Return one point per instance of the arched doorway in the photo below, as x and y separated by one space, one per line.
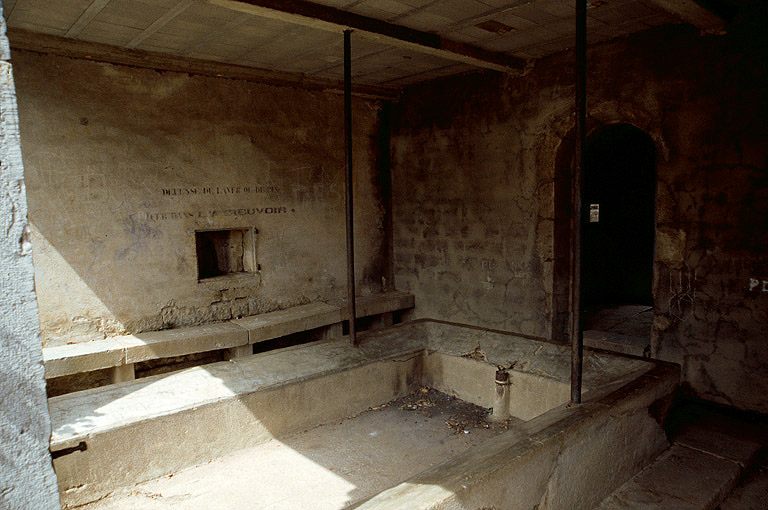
619 188
618 230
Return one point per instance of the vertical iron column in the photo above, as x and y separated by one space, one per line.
348 155
577 337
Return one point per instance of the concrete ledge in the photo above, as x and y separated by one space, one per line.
84 357
145 428
178 342
237 333
376 304
625 344
285 322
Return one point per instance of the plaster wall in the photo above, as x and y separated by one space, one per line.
123 165
27 479
475 166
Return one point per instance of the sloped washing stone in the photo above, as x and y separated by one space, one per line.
181 341
83 357
234 334
285 322
376 304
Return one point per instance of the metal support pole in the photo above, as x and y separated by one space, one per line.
577 336
348 155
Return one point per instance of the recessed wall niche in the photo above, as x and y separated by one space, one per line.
224 252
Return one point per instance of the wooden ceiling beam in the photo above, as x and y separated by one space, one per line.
67 47
331 19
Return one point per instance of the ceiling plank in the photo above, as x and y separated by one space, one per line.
488 15
9 13
336 20
68 47
86 17
215 34
693 13
160 23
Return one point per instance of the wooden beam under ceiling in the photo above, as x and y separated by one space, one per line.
160 22
693 13
67 47
336 20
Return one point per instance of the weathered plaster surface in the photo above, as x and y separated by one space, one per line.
474 166
27 479
123 165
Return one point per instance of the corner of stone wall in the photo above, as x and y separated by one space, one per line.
27 479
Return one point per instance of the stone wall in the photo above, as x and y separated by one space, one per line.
123 165
27 479
476 161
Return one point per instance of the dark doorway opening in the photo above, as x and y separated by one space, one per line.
618 228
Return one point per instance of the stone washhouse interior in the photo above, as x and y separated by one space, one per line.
384 254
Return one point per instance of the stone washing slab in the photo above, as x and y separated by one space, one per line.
114 352
152 426
376 304
285 322
156 425
75 416
83 357
178 342
537 357
682 478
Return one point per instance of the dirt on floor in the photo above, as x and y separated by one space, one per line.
331 466
460 416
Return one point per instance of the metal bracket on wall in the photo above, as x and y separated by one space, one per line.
81 447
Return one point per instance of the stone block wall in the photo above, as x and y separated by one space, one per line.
476 160
27 479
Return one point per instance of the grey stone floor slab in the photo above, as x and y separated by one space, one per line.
752 495
718 444
681 479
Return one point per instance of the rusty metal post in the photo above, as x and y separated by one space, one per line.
577 336
348 156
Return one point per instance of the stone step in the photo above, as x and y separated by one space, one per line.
751 495
696 473
117 435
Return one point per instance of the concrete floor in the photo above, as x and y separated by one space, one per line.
328 467
752 494
624 328
629 320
